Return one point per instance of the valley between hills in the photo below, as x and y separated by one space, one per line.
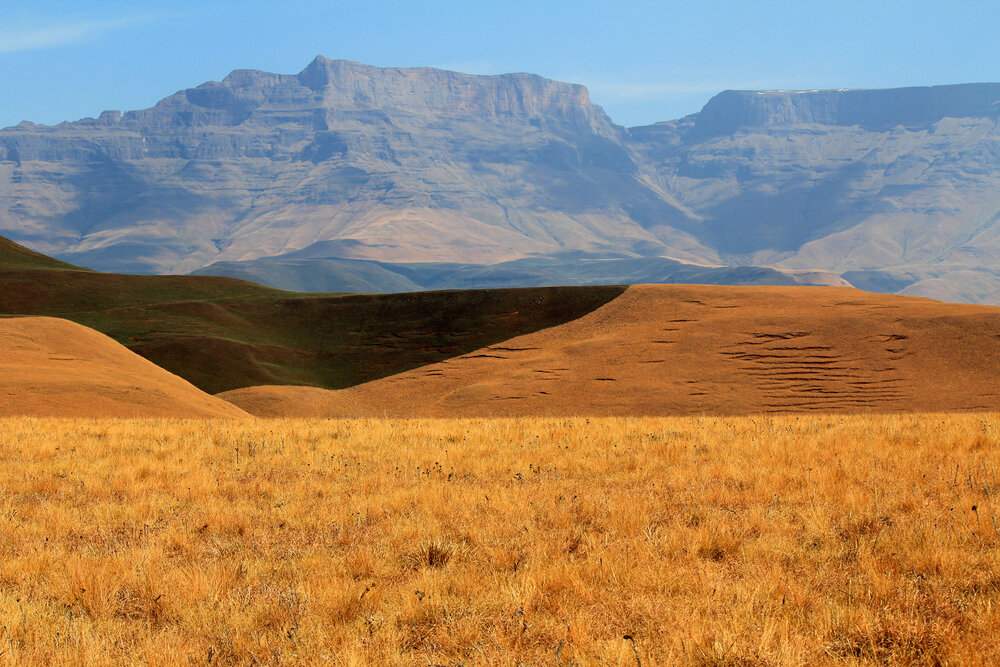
572 351
577 475
405 366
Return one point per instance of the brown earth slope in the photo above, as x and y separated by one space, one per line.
55 368
221 334
684 349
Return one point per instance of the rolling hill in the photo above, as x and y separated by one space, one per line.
54 368
681 349
14 256
695 349
223 333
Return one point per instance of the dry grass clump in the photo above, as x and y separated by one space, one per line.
698 541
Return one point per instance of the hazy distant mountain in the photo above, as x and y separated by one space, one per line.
388 164
351 275
895 189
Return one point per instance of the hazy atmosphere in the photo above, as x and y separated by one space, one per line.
361 333
642 61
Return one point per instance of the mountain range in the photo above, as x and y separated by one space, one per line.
352 177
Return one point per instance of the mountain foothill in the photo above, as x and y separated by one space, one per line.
77 343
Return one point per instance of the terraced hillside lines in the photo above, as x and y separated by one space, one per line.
55 368
697 349
796 372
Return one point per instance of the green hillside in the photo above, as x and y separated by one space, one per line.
13 256
223 333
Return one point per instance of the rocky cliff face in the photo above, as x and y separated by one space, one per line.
391 164
894 189
735 111
897 190
336 86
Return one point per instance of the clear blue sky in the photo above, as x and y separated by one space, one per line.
643 61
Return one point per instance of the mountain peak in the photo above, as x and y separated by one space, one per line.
348 85
347 161
324 72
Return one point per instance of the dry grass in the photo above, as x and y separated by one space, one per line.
702 541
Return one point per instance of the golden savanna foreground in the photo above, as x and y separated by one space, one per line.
762 540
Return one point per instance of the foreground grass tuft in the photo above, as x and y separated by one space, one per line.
698 541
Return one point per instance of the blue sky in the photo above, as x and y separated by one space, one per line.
643 61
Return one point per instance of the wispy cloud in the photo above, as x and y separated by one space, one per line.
52 35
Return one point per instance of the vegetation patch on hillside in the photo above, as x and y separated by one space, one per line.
223 333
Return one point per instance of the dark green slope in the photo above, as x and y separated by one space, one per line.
223 333
14 256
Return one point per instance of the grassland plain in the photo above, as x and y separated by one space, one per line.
652 541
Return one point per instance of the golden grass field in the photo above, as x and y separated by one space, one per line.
786 540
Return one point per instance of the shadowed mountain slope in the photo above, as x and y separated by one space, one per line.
55 368
222 333
694 349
